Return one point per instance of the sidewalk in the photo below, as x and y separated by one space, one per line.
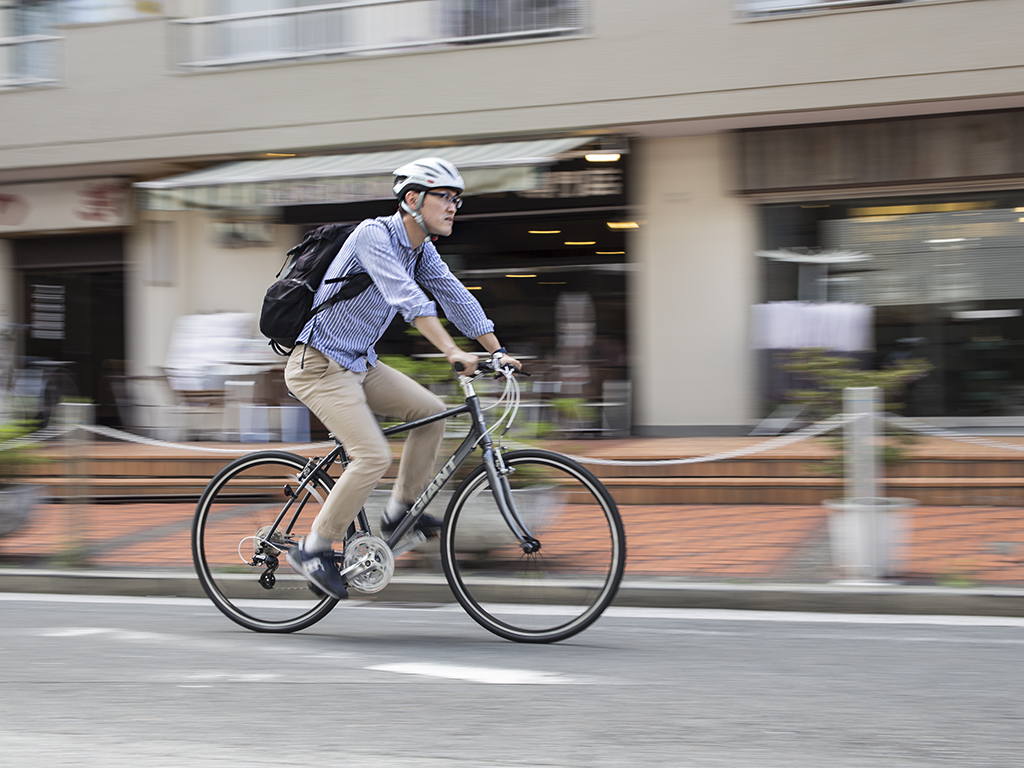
967 559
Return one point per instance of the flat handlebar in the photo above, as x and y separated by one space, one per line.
486 365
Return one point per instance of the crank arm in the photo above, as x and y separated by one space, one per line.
358 568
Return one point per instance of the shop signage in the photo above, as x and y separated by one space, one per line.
588 182
323 191
60 205
899 151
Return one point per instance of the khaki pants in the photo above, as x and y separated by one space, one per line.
346 401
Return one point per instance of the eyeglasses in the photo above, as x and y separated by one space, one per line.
448 197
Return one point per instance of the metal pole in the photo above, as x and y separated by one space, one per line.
77 461
865 518
861 464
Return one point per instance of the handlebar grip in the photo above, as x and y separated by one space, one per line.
483 366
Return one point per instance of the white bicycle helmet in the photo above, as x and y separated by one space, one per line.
425 173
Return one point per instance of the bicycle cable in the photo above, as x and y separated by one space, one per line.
510 396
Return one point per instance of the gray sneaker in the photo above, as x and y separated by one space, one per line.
320 569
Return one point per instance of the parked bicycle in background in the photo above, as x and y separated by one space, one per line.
32 387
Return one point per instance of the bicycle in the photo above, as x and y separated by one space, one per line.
30 394
532 544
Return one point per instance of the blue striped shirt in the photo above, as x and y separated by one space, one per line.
348 331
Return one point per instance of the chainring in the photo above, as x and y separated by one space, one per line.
362 548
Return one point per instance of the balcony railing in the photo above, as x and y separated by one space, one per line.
780 7
28 60
367 27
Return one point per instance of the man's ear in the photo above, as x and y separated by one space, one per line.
411 198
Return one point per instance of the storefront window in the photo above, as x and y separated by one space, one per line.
945 277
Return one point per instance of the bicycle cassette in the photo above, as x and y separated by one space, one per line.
372 562
266 546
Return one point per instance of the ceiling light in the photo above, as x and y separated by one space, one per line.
544 231
622 225
602 157
609 253
474 287
280 154
903 210
520 275
986 314
581 242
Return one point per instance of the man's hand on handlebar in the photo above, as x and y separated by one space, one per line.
486 365
509 360
463 362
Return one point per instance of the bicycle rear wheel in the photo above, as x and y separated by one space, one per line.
560 589
237 564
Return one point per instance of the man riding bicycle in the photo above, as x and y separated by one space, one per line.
335 372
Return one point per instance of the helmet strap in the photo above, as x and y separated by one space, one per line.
417 216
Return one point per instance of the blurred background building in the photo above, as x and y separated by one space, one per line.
626 163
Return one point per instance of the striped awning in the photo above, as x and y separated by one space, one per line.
487 168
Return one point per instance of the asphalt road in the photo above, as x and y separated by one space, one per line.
94 681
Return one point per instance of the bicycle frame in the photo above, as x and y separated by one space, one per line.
478 435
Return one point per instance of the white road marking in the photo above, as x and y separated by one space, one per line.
615 612
234 677
487 675
807 617
74 631
118 634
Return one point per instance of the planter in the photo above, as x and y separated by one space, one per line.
869 537
16 505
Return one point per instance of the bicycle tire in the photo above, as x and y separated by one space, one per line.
242 498
561 589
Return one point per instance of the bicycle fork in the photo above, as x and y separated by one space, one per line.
497 474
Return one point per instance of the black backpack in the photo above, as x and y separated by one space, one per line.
288 303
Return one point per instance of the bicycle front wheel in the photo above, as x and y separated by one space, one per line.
240 562
556 591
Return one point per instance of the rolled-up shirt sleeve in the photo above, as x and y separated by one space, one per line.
459 304
399 289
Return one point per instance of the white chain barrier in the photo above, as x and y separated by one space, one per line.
808 432
129 437
912 425
52 433
820 428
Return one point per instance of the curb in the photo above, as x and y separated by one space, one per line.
852 597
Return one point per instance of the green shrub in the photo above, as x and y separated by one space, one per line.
824 376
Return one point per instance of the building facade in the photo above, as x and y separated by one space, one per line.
161 157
